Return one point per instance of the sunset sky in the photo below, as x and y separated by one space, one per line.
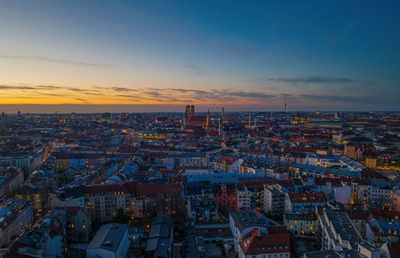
126 56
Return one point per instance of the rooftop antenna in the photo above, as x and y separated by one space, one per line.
285 105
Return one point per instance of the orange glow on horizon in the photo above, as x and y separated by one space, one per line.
97 95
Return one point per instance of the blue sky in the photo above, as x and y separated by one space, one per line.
331 55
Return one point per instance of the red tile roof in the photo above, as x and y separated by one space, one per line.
257 242
379 213
227 160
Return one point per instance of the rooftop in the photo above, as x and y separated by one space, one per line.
248 218
343 226
108 237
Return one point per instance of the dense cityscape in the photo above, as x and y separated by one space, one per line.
200 184
199 129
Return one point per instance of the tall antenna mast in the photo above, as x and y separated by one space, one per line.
285 105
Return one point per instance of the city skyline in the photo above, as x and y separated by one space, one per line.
99 56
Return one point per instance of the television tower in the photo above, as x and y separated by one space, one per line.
285 105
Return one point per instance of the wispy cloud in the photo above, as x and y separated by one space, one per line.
121 89
330 98
128 96
48 87
178 96
312 79
285 95
48 94
194 68
49 90
11 87
360 101
212 95
55 60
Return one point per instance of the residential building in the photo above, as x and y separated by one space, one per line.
338 232
242 197
359 219
225 195
14 177
45 239
274 200
15 216
301 224
381 231
260 244
304 202
159 243
79 225
396 200
242 223
193 160
111 240
203 211
197 190
256 192
138 200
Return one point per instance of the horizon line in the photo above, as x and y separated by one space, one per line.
175 108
